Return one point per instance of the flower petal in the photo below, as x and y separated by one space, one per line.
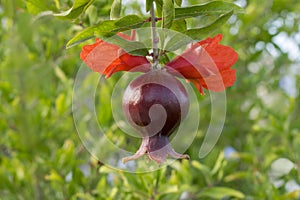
219 82
100 55
207 64
194 62
135 63
223 56
197 84
108 58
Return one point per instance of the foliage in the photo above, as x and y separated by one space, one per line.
41 156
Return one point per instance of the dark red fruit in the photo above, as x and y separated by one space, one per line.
155 104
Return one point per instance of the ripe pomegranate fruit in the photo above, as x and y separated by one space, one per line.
154 104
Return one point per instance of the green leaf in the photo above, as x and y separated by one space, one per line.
35 6
218 163
91 12
60 74
204 170
292 195
178 2
60 104
107 28
236 176
159 6
176 41
132 47
81 37
106 170
220 192
200 33
168 13
214 7
148 5
179 25
129 22
115 10
78 7
54 176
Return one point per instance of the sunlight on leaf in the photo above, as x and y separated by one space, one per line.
107 28
78 7
214 7
168 13
221 192
115 10
200 33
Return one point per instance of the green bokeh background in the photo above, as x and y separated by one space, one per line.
42 157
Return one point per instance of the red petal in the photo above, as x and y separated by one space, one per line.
219 82
124 36
100 55
223 56
108 58
207 64
88 48
194 62
135 63
198 85
116 66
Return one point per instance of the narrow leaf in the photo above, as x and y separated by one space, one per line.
200 33
179 25
115 10
214 7
218 163
35 6
236 176
204 170
78 7
107 28
176 41
159 6
131 47
148 5
79 38
91 12
220 192
168 13
178 2
129 22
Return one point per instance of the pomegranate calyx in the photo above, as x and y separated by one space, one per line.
157 148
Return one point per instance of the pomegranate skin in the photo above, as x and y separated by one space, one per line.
154 104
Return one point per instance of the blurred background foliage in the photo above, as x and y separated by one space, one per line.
42 157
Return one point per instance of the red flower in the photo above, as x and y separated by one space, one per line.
206 63
107 58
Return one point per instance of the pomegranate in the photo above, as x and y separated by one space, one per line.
154 104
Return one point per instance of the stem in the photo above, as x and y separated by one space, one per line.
156 185
157 179
155 39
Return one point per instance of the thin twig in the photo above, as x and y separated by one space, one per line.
156 19
155 40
